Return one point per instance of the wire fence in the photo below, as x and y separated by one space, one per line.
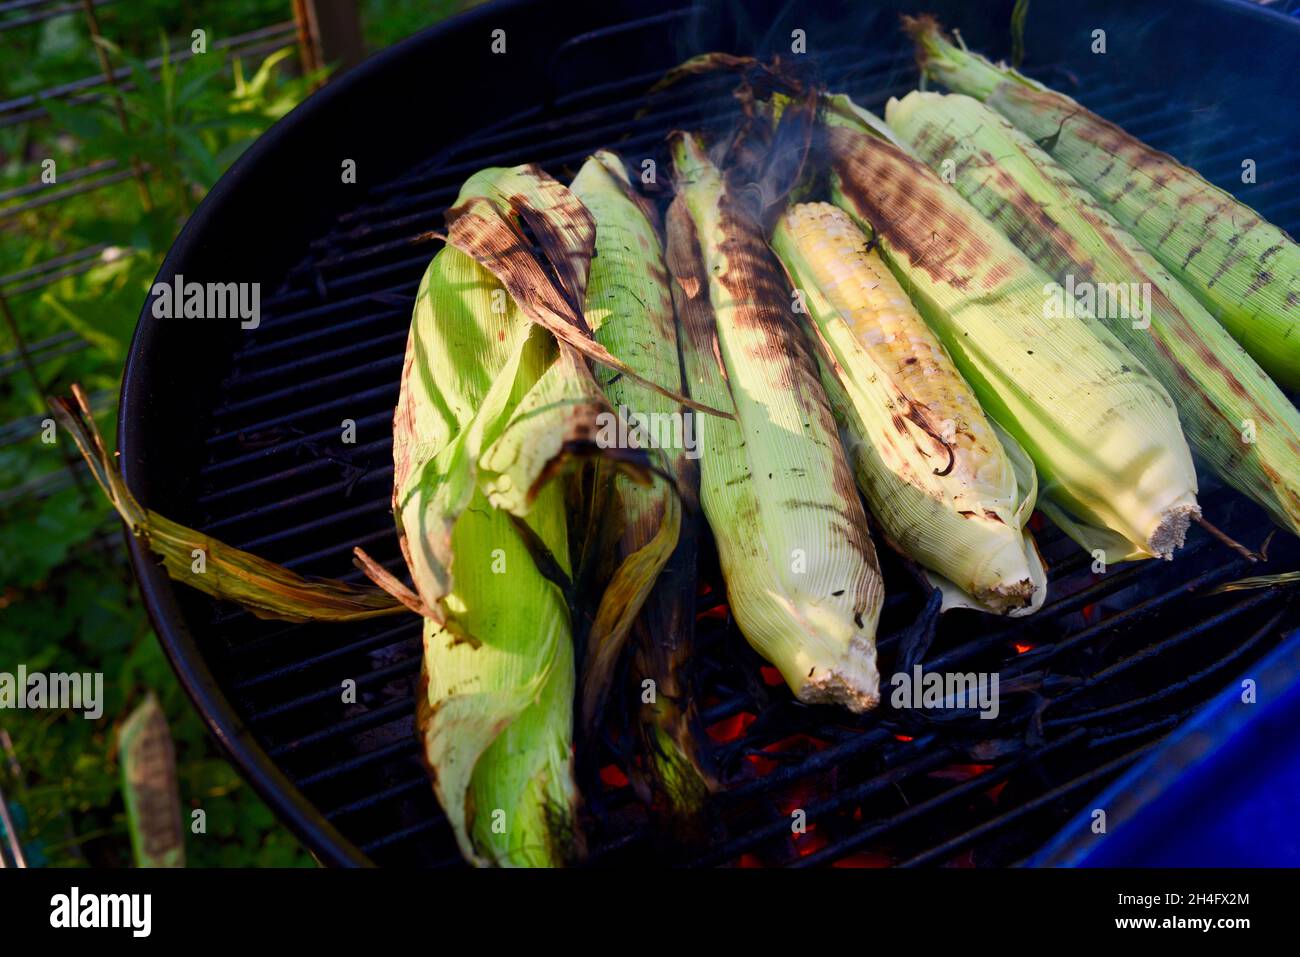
104 86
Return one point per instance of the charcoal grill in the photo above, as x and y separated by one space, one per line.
238 433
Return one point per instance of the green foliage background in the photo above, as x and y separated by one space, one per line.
67 598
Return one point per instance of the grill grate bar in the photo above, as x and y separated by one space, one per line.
397 750
324 492
405 834
377 506
965 652
1095 776
418 783
341 552
296 472
293 445
1128 615
389 637
781 826
378 676
304 364
978 783
320 310
516 145
396 710
517 137
379 394
260 350
1219 665
361 370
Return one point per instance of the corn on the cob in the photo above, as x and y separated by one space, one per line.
931 466
495 708
630 309
492 404
1114 468
1243 269
801 572
1234 416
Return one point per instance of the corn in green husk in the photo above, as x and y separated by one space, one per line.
149 787
801 573
1114 468
1244 270
933 469
1236 419
495 707
492 406
630 309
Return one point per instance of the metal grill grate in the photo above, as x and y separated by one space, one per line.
1103 672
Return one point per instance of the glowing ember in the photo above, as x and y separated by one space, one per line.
1022 646
717 613
904 738
612 776
729 729
762 766
809 842
796 743
865 859
749 860
796 801
771 677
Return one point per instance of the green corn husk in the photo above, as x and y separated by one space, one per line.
630 309
1280 580
149 787
1236 419
495 708
801 573
1114 468
933 469
493 405
1244 270
266 589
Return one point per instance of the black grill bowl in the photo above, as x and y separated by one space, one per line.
238 433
